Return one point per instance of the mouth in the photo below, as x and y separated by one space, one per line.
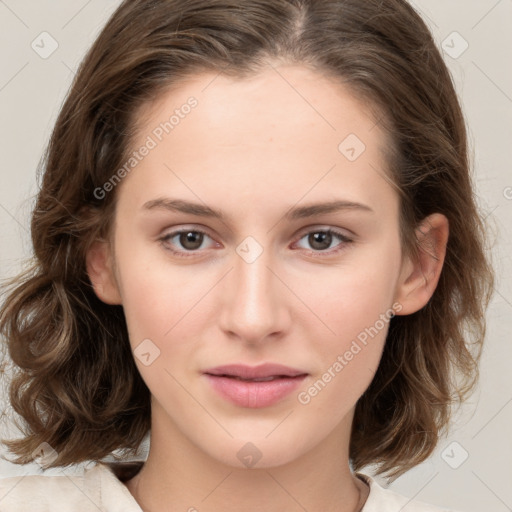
258 379
254 387
262 372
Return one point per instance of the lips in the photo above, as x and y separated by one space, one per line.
264 372
254 387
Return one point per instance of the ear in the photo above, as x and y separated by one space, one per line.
419 278
99 266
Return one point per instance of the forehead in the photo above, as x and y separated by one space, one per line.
278 98
286 127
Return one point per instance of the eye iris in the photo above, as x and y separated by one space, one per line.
320 240
191 240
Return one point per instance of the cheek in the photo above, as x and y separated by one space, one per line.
347 362
355 304
160 298
351 297
163 304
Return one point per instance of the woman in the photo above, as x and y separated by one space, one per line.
255 240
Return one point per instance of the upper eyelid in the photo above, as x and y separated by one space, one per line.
297 237
301 232
335 230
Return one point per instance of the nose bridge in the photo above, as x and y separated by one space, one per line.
254 305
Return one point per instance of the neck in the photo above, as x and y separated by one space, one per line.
179 476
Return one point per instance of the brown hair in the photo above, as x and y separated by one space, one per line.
76 385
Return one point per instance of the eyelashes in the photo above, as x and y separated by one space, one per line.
327 234
191 241
184 235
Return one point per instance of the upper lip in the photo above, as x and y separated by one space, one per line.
255 372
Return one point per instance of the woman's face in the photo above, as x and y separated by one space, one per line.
290 255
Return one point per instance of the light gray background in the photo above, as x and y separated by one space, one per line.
32 90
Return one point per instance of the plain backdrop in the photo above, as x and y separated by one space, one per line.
470 470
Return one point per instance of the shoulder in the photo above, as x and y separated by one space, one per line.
95 488
386 500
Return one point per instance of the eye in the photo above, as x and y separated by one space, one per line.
321 240
186 240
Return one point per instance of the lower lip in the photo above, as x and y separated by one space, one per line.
254 394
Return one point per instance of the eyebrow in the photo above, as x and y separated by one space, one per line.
300 212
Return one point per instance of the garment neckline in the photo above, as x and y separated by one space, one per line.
125 471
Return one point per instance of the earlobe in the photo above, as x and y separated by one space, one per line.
100 271
418 279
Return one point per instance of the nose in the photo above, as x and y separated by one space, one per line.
254 302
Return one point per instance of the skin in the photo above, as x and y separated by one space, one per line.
255 148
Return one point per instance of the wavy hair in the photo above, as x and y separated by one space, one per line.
75 384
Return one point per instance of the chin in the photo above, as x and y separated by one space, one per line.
258 452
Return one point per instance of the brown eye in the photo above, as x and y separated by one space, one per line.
320 240
191 240
324 240
187 242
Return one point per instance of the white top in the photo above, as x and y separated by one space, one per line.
98 488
